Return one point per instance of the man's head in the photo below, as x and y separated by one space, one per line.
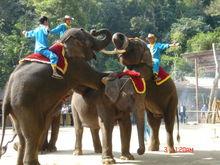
151 38
68 19
43 20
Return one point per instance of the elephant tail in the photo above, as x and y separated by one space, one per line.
6 108
178 127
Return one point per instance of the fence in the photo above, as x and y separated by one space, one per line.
68 121
191 117
194 116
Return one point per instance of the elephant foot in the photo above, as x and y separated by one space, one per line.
44 147
141 150
153 148
47 149
108 160
77 152
51 148
171 150
98 150
127 157
32 162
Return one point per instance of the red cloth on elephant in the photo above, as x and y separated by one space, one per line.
138 82
163 75
57 48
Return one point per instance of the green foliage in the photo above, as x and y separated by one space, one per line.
185 28
203 41
113 65
11 51
214 8
190 22
176 66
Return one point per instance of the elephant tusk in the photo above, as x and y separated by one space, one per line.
112 52
104 80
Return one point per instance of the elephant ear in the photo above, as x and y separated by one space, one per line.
73 47
112 89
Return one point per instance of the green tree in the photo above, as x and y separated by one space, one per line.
185 28
203 41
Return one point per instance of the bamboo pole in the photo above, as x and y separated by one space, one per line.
213 92
197 89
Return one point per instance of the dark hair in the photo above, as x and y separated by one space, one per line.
43 19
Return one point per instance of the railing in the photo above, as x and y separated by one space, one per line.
68 121
194 116
191 117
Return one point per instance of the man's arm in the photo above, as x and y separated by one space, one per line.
57 29
29 34
174 44
165 46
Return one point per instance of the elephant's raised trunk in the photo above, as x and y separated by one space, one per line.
100 44
120 41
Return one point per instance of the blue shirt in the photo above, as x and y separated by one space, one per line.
40 34
157 49
60 29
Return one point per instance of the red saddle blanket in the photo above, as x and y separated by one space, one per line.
162 76
58 49
138 82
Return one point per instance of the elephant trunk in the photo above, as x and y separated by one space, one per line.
120 41
100 44
140 129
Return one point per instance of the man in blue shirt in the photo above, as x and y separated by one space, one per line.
60 29
156 50
41 43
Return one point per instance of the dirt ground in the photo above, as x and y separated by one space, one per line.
200 145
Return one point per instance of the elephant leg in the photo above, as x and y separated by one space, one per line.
155 126
19 146
96 140
45 143
169 119
107 128
33 136
125 133
54 133
78 132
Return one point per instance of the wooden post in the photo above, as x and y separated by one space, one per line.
213 92
197 89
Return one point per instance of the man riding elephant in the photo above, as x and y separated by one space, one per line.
41 43
156 50
32 95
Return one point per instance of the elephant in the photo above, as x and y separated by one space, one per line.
161 101
102 109
32 95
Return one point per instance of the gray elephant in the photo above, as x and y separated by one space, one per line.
32 95
102 109
161 101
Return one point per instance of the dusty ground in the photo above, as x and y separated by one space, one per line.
203 139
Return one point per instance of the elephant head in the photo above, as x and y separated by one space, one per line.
122 94
82 44
135 50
